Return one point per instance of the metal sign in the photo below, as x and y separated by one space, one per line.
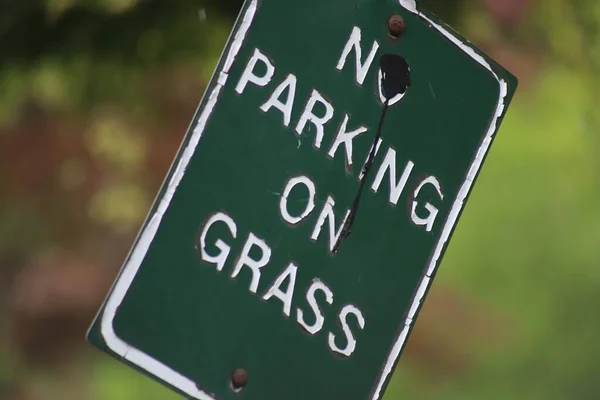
302 222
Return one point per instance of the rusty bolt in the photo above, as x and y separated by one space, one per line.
396 26
239 379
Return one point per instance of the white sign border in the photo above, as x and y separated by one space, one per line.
410 5
121 286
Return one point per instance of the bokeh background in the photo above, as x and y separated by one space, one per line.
95 97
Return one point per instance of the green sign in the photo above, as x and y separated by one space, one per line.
302 222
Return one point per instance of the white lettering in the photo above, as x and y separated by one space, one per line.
433 212
310 205
286 108
389 163
308 115
254 265
351 346
312 301
354 43
327 213
287 296
249 76
346 138
220 258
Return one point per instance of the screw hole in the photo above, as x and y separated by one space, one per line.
239 379
396 26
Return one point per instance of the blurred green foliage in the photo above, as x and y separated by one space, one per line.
112 75
70 55
107 57
528 248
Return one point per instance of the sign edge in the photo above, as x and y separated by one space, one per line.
138 252
505 93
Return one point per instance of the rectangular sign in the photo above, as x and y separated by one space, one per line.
286 255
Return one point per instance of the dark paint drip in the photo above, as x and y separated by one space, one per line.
396 75
395 80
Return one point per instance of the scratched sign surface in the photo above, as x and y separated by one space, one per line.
283 243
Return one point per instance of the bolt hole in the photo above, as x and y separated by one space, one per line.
396 26
239 379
